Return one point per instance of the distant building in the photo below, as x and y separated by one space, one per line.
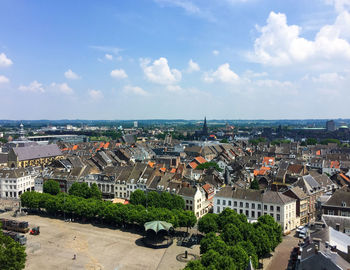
136 124
330 125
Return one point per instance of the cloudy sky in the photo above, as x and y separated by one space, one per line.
142 59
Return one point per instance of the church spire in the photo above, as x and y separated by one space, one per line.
205 127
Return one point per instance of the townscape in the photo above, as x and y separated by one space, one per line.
174 134
205 170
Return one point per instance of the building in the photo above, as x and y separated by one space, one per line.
330 125
36 155
195 198
15 181
338 204
255 203
70 138
302 203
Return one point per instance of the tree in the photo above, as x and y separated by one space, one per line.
80 190
208 165
95 192
138 197
153 199
254 184
208 223
216 260
12 254
311 141
231 234
239 256
224 140
52 187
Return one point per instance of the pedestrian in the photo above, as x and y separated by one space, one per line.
74 257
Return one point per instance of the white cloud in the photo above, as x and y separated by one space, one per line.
280 44
331 77
339 5
62 87
273 83
4 79
174 88
34 86
108 56
134 90
222 74
119 74
192 66
107 49
187 5
159 71
5 61
95 94
215 52
69 74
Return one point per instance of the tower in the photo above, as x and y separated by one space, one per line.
21 132
205 127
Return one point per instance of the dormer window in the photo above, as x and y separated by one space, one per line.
343 204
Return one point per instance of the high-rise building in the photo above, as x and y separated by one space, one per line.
135 124
330 125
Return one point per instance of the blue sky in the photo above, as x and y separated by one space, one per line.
142 59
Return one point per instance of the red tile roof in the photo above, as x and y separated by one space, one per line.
200 160
193 165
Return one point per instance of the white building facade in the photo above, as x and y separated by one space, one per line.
14 182
255 203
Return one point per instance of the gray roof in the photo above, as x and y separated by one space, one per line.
37 151
13 173
3 158
338 198
187 191
254 195
311 181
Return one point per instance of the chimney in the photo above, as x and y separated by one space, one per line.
337 227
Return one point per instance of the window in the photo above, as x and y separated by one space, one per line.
235 203
330 212
246 205
259 214
218 201
345 214
253 205
265 207
218 209
241 204
223 202
247 213
235 210
229 203
186 201
278 209
278 217
271 215
259 206
253 214
240 211
271 207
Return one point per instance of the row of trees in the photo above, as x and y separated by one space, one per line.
105 211
154 199
230 241
12 254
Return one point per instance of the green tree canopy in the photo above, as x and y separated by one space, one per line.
83 190
311 141
52 187
12 254
254 184
208 165
208 223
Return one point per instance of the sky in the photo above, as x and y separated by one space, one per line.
174 59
